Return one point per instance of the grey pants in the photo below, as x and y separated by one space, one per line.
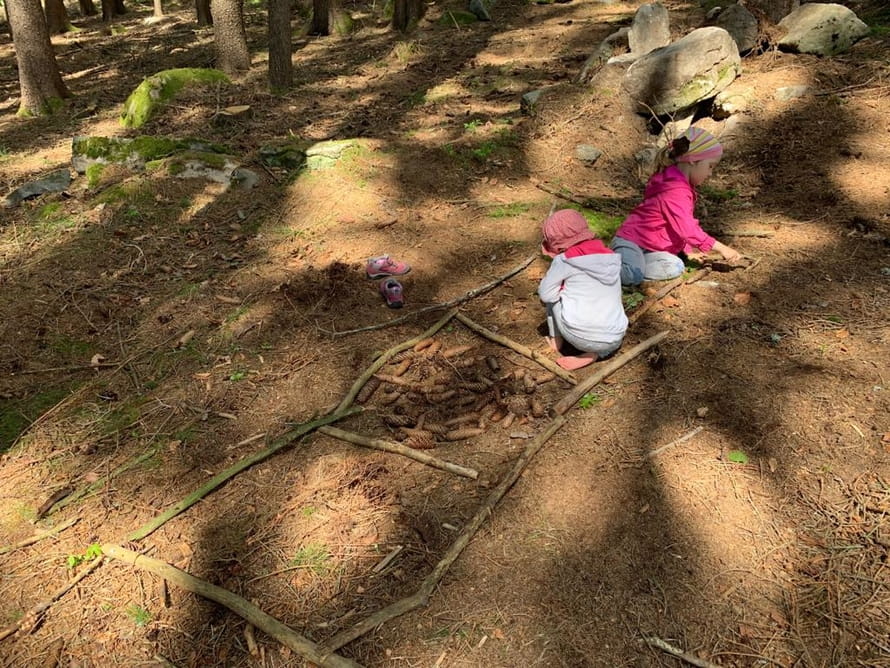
638 265
554 320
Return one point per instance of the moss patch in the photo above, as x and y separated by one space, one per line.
158 89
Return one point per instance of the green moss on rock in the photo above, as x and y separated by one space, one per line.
159 88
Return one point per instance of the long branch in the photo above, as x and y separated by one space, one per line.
40 536
545 362
421 597
571 398
398 448
241 607
475 292
223 476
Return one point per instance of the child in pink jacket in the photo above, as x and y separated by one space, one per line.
664 224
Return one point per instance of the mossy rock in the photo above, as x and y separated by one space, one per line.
133 153
202 164
160 88
326 153
285 156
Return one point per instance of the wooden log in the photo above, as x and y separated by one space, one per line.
223 476
385 357
471 294
398 448
545 362
571 398
421 597
240 606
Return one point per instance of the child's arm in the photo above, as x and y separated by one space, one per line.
551 284
729 254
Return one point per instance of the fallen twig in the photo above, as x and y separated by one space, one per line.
241 607
40 536
223 476
662 292
475 292
421 597
32 617
563 405
691 659
384 358
398 448
682 439
545 362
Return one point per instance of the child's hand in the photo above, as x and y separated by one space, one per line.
729 254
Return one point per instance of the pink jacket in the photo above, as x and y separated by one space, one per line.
664 221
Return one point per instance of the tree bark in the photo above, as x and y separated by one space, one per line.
157 9
202 11
56 17
87 7
321 17
281 69
232 55
39 78
406 14
119 9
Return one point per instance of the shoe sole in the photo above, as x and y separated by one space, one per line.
385 274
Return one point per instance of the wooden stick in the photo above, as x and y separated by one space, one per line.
33 615
662 292
475 292
682 439
569 400
87 489
223 476
421 597
40 536
746 233
398 448
241 607
384 358
691 659
591 201
545 362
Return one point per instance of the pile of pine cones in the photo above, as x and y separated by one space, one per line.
430 394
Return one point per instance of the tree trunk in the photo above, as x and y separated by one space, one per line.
157 9
281 70
8 22
321 17
119 9
232 55
87 7
202 10
406 13
40 82
56 17
772 11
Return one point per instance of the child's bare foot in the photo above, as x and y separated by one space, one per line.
570 363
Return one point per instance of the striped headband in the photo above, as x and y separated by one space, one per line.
702 146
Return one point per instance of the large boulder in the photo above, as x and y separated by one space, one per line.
680 75
741 25
158 89
822 29
651 29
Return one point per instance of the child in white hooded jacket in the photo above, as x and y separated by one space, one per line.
581 290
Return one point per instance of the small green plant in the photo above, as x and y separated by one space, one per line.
139 615
315 557
718 194
632 300
470 126
509 210
308 511
588 400
450 150
737 457
93 551
238 375
484 151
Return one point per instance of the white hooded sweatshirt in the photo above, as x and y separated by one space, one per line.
589 289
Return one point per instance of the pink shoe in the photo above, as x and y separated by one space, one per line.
391 290
379 267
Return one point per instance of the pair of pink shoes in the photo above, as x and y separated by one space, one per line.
385 267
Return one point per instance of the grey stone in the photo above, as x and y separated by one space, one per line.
650 29
587 153
732 100
245 178
741 25
786 93
481 8
613 45
682 74
285 156
529 102
822 29
53 182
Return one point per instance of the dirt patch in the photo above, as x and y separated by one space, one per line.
156 331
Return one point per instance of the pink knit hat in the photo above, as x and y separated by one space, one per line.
702 146
562 230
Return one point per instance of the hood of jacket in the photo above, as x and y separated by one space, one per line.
604 267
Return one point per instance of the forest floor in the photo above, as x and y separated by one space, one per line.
156 331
